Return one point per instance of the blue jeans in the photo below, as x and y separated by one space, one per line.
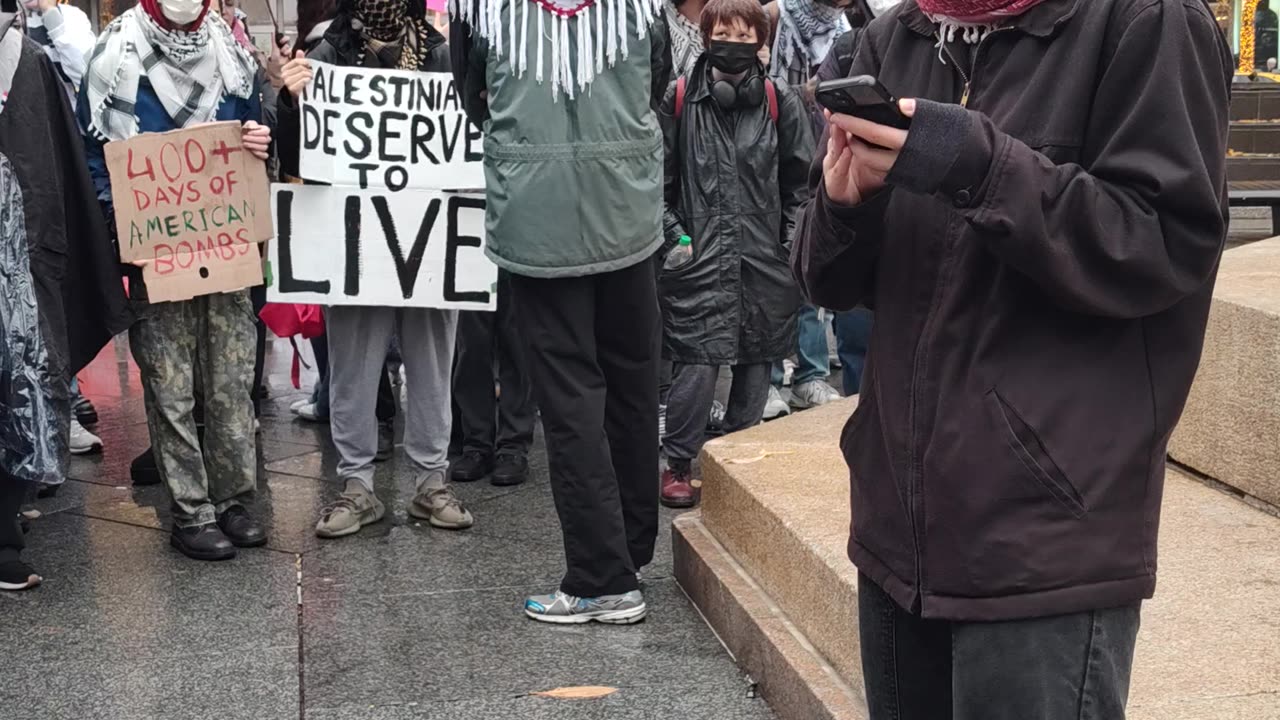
1064 667
812 360
853 337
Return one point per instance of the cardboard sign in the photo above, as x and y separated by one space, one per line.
413 248
194 203
392 129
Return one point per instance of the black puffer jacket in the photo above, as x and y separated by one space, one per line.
734 183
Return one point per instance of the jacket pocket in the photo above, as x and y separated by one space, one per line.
1026 446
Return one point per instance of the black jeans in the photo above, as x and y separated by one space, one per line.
1065 667
493 423
593 357
12 493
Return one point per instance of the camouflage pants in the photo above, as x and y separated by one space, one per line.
212 335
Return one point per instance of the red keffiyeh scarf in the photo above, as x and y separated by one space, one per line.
972 18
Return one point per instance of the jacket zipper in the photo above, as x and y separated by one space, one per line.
916 472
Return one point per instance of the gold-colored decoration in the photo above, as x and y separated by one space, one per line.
1247 13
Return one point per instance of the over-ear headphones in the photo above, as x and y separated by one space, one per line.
747 93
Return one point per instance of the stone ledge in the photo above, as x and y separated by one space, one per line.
793 677
776 499
1230 430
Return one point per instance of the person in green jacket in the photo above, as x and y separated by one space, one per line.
567 95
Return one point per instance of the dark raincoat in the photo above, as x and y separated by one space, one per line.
734 183
61 298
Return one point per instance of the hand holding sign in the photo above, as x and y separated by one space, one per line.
297 74
256 138
191 207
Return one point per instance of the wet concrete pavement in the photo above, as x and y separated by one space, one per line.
402 621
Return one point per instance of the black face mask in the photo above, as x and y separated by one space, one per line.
731 57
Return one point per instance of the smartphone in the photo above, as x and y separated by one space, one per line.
862 96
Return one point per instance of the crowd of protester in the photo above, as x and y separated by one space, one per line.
719 220
470 377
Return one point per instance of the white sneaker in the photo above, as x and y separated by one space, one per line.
296 405
776 407
83 442
308 412
811 394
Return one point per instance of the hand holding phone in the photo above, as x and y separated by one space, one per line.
861 153
862 96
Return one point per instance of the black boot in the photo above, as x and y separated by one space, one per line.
240 528
512 468
473 466
202 542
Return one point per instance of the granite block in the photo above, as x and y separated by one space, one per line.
1230 429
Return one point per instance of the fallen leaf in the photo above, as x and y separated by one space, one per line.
758 458
581 692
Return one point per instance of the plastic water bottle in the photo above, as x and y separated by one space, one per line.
680 255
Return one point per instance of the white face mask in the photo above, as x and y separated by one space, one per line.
880 7
181 12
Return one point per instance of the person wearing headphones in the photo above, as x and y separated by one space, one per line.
737 153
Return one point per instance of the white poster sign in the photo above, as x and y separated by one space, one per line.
392 129
347 246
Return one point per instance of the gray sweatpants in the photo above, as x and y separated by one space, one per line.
358 341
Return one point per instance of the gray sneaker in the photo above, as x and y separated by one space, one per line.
440 507
812 394
354 508
563 609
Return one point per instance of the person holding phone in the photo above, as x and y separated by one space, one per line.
1040 247
732 300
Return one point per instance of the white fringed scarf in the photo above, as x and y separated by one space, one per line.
582 37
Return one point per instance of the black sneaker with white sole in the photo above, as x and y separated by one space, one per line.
16 575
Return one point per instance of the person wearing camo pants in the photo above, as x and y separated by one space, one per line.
214 336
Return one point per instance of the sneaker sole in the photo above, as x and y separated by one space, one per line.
33 581
334 534
91 450
678 504
620 617
430 519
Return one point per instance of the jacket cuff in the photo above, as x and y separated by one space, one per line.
946 154
842 222
53 21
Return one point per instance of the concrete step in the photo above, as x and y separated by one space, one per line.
1230 429
1255 103
773 529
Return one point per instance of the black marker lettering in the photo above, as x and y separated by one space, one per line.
420 134
364 169
284 249
351 218
385 134
454 242
406 270
365 146
330 119
450 144
376 84
475 144
310 127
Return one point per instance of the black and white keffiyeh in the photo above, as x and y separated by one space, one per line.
190 71
686 41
